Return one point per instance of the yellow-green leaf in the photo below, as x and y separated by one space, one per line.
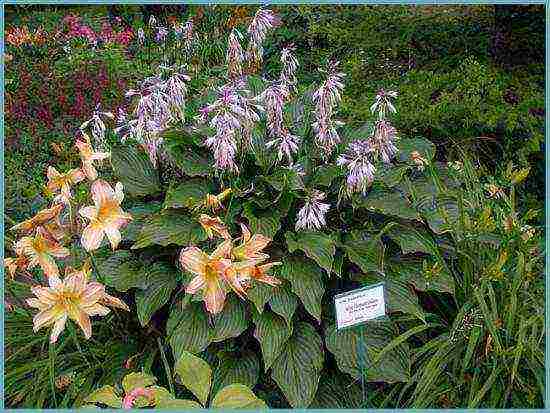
105 395
195 374
237 396
134 380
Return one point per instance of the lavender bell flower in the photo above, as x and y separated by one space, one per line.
383 103
235 56
290 65
384 137
263 21
98 126
312 215
287 145
358 160
273 97
162 32
141 36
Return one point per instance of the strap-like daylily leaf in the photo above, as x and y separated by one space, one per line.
375 335
122 271
297 370
161 281
272 333
316 245
195 374
236 396
284 302
187 194
231 322
236 368
170 227
134 380
188 329
105 395
134 169
307 283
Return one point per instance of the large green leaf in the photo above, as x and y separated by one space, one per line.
259 294
325 174
347 344
337 391
134 169
439 212
188 329
424 147
391 175
161 281
134 380
188 194
122 271
195 374
412 272
105 395
285 178
366 252
188 159
170 227
316 245
140 213
388 202
236 396
272 333
307 283
265 222
177 404
297 370
232 321
411 240
284 302
236 368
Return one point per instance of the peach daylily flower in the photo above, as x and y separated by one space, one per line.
106 216
41 218
88 155
73 297
209 273
63 182
40 250
214 202
214 224
12 264
240 275
251 247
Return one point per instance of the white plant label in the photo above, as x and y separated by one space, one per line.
359 306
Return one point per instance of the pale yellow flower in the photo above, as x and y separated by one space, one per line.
88 155
209 273
73 297
106 216
41 218
41 250
213 224
62 183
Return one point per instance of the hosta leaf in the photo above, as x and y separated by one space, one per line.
440 213
243 368
412 272
400 296
391 203
316 245
272 333
170 227
391 176
160 393
236 396
284 302
232 321
134 380
285 178
411 240
266 223
424 147
134 169
105 395
325 174
170 403
344 344
366 253
189 160
122 271
307 283
337 392
188 194
297 370
195 374
161 281
140 212
259 294
188 329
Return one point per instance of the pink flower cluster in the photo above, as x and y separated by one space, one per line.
107 33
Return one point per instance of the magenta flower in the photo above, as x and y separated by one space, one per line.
312 214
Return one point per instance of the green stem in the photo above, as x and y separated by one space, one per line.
51 369
94 266
166 366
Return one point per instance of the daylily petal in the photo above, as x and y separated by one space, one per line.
52 173
45 294
119 192
114 236
83 321
195 285
214 296
89 170
92 236
223 250
89 212
257 243
99 156
246 232
58 327
96 309
93 293
76 175
76 284
193 260
44 318
36 303
101 192
48 265
114 302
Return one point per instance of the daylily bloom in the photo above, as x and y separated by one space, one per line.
40 250
213 224
214 202
88 156
42 217
240 275
15 263
419 161
251 247
209 273
73 297
106 217
62 182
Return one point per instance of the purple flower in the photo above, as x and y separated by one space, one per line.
162 32
234 57
273 97
312 215
383 103
98 126
141 36
263 21
384 138
287 144
358 160
290 64
223 143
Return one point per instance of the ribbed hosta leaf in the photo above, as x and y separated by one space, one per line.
439 212
284 302
411 240
134 169
391 176
387 202
189 160
297 370
122 271
188 329
170 227
140 213
344 344
272 333
195 374
325 174
367 253
236 368
307 283
161 281
412 272
232 321
424 147
337 391
187 194
259 294
236 396
316 245
262 222
106 395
